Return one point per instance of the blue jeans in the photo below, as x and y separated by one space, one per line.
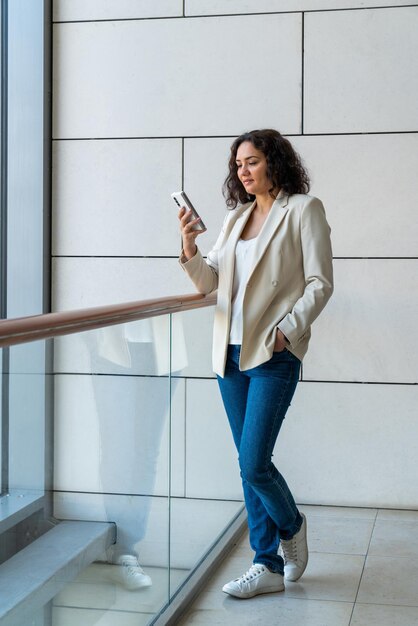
256 401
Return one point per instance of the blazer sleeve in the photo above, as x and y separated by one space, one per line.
204 274
317 266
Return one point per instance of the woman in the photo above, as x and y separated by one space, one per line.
272 267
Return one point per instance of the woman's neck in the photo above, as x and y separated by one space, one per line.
264 201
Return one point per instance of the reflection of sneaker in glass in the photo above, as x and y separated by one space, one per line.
295 553
257 580
127 572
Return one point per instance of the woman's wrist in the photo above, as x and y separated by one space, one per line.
189 253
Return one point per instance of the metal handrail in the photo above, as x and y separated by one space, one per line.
36 327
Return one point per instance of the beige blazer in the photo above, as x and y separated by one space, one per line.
290 282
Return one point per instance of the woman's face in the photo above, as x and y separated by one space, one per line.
252 169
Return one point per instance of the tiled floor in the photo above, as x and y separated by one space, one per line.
362 571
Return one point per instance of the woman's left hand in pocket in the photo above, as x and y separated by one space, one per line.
280 343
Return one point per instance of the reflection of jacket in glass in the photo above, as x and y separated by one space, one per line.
113 342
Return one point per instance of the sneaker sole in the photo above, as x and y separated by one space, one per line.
251 594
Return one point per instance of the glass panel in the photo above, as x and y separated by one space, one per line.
112 427
1 421
202 505
137 426
27 418
24 260
24 509
25 158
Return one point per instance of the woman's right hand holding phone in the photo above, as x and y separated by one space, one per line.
188 234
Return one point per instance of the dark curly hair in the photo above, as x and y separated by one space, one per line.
284 166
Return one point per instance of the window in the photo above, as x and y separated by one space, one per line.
24 241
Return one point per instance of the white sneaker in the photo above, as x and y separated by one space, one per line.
295 553
257 580
127 572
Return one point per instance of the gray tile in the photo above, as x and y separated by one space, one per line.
329 577
341 512
373 615
389 580
395 538
216 608
393 514
341 536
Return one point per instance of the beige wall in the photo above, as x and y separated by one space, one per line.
144 106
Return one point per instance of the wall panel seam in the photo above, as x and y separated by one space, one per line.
254 13
302 126
315 381
162 137
147 256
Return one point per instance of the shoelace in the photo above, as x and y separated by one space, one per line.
289 549
132 566
252 573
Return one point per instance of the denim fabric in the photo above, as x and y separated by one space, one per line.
256 401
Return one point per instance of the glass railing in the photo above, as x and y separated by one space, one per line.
136 425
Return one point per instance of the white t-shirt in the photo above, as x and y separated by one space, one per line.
243 262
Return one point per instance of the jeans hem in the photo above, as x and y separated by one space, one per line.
270 566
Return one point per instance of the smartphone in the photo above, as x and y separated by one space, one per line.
181 199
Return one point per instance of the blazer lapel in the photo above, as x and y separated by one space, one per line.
273 221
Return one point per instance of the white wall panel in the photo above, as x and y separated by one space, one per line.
360 73
211 458
210 7
205 169
197 328
116 427
351 445
368 331
112 198
368 185
86 282
176 77
76 435
76 10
